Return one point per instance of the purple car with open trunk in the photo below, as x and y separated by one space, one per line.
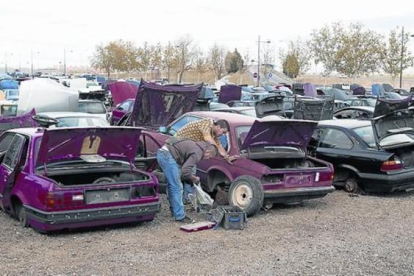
67 178
273 166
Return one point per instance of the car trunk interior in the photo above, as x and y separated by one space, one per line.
290 163
70 178
406 155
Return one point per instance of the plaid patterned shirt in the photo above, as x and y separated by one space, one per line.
200 130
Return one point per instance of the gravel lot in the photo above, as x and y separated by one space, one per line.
336 235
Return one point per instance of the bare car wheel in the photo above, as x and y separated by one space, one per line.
104 180
21 215
351 185
247 193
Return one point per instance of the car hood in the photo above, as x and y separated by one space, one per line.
158 105
121 91
285 132
269 106
313 109
63 144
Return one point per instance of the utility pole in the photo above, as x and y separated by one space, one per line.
64 61
31 66
402 56
258 62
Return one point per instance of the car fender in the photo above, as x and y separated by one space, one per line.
213 170
348 167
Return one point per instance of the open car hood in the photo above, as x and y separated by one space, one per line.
285 132
229 92
89 144
121 91
313 109
272 105
158 105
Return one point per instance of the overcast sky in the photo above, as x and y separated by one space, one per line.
48 27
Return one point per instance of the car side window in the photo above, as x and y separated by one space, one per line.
182 122
337 139
5 141
12 156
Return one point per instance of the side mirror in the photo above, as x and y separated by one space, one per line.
163 129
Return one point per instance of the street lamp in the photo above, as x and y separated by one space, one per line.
31 66
258 58
5 61
402 55
64 60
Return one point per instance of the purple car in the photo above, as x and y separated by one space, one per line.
273 166
63 178
120 110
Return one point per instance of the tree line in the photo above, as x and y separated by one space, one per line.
351 50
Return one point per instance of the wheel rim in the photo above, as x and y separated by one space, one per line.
350 185
242 195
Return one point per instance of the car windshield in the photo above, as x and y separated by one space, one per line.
81 122
367 134
92 107
13 92
371 102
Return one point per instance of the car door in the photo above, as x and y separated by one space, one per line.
9 167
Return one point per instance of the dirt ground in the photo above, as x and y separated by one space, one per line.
336 235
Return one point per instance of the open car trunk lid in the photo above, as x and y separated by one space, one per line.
270 132
313 109
158 105
89 144
272 105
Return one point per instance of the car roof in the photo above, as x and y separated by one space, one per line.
232 118
29 131
66 114
345 123
237 108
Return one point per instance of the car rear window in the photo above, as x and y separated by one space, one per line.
367 134
92 107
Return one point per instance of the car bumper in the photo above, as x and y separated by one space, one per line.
296 194
51 221
387 182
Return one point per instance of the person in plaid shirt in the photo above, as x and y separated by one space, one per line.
207 130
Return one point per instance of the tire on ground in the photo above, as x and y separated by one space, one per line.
247 193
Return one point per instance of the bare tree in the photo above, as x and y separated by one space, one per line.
217 57
184 56
391 57
101 59
296 61
200 63
169 60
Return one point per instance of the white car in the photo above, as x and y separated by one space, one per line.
74 119
94 107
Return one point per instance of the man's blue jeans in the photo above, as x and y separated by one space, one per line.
172 173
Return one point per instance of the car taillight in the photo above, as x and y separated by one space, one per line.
391 165
324 176
56 200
